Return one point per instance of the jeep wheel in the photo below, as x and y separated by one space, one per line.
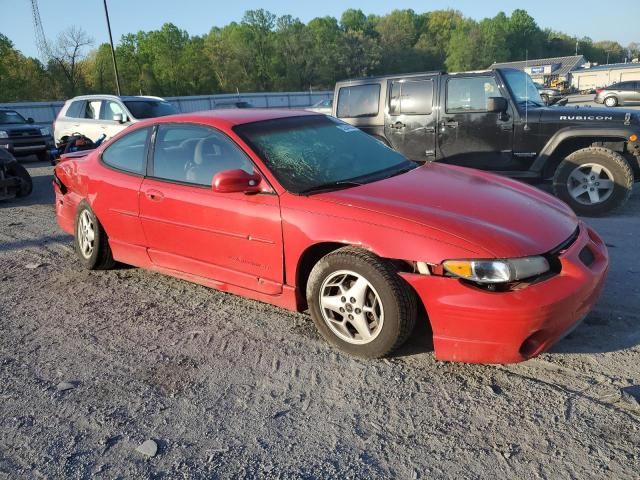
611 101
360 304
593 181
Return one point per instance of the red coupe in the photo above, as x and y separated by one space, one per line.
306 212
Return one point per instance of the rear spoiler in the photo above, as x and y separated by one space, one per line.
76 155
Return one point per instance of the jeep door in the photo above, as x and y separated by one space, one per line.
468 135
410 121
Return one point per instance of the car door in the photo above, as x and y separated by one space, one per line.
109 126
114 194
468 135
410 122
229 237
634 92
89 121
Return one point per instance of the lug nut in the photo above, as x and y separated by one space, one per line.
597 183
350 317
593 178
591 189
343 299
352 300
341 310
358 311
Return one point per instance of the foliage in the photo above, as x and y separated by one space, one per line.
263 52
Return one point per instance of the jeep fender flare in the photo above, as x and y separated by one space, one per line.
581 132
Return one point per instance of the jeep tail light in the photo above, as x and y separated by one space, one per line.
598 90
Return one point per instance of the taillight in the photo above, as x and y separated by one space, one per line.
598 90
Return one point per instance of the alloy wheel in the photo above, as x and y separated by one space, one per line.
590 183
86 234
351 307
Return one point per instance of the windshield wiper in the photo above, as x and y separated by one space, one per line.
331 186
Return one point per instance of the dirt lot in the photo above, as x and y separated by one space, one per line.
231 388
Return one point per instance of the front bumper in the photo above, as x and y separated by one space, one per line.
27 145
474 325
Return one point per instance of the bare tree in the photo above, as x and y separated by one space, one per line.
68 52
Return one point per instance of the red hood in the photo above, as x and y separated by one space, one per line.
503 217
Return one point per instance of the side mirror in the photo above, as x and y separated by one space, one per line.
30 120
497 105
235 181
118 117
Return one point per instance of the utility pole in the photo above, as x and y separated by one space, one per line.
113 52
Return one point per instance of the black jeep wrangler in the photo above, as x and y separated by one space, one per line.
495 120
15 180
21 136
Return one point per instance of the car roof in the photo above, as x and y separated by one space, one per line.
230 117
124 98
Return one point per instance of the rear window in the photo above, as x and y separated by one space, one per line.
150 108
76 109
358 101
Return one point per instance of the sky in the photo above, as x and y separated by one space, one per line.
580 18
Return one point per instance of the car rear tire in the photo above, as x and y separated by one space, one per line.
611 102
360 304
593 181
26 183
90 240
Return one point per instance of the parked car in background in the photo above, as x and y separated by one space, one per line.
22 136
548 95
95 115
228 105
621 93
304 211
495 120
323 106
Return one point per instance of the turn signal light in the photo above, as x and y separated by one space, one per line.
633 137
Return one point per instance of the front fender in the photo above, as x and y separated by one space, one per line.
605 133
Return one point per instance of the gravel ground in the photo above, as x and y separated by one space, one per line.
93 364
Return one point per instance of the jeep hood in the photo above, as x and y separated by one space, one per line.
503 217
587 116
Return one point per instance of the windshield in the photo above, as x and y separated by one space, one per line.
320 153
9 116
150 108
522 87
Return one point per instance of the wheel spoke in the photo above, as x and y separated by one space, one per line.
594 195
361 325
577 191
578 176
332 302
605 185
358 290
596 170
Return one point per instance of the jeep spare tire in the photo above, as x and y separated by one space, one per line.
593 181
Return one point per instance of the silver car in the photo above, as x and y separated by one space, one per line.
621 93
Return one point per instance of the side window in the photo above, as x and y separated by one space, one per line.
412 97
76 109
92 109
194 154
109 109
358 101
470 94
128 152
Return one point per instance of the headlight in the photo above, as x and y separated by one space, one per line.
3 134
45 132
497 271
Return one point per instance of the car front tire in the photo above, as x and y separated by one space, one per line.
26 183
360 304
90 240
593 181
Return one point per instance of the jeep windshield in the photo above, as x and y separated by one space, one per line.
149 108
8 117
309 154
522 88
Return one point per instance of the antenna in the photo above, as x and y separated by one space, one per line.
526 92
41 39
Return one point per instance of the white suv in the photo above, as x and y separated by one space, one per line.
95 115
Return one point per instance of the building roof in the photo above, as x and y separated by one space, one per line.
609 66
566 63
